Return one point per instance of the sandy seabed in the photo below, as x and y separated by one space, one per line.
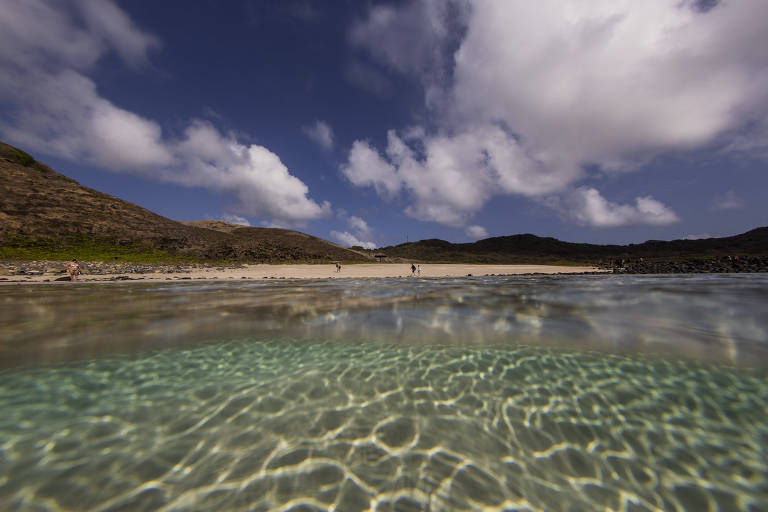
382 270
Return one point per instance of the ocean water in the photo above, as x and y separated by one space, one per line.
488 393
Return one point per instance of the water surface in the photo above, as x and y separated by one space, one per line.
499 393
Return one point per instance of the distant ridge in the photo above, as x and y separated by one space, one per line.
529 248
46 215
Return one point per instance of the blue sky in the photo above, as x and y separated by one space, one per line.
373 123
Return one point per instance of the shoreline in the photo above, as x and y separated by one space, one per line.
292 271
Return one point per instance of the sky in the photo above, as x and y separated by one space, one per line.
373 123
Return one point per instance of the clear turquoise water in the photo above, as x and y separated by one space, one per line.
518 393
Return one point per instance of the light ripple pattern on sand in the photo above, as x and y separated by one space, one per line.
283 424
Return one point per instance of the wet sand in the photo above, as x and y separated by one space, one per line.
382 270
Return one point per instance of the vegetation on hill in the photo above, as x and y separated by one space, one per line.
45 215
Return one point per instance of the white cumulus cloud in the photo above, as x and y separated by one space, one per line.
63 114
68 33
567 84
255 175
412 38
476 232
606 80
47 52
347 239
698 236
360 227
588 207
321 134
449 178
360 233
235 219
366 167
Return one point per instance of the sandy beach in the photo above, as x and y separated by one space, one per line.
383 270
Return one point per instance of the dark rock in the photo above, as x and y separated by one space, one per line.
719 265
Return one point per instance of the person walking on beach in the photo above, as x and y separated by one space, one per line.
73 267
418 269
413 269
338 267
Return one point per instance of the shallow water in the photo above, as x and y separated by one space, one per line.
516 393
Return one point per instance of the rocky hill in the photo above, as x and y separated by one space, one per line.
46 215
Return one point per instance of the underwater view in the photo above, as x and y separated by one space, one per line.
510 393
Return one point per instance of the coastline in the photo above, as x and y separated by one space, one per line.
288 271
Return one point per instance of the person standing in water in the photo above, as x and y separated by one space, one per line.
73 267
